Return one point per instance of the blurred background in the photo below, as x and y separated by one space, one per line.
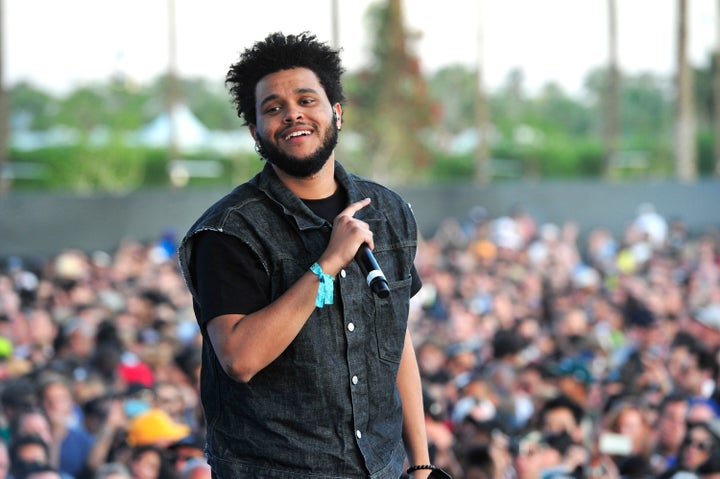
109 100
562 158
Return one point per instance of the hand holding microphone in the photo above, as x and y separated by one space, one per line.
345 227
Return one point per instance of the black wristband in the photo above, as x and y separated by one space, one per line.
419 467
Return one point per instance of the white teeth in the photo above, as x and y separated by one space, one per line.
297 133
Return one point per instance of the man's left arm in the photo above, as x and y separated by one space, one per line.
410 388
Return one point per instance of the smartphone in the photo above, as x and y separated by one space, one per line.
615 444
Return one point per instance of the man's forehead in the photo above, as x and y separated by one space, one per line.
293 79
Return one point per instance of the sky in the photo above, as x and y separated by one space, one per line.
61 44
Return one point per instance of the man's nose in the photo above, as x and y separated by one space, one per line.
292 114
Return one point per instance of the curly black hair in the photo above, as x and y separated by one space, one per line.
282 52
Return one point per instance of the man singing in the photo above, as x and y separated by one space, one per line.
306 373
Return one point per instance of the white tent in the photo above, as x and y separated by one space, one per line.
191 133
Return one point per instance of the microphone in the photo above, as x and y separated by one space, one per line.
374 276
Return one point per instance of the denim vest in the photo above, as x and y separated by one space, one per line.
328 407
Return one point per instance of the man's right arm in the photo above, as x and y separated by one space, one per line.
247 343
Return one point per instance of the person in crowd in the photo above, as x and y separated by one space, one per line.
287 240
631 420
28 449
34 422
645 348
649 226
75 444
477 463
149 462
574 379
669 430
562 414
189 448
18 395
699 444
678 358
111 432
169 398
699 372
553 456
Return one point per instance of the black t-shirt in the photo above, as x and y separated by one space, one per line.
230 278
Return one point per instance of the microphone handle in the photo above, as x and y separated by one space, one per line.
374 276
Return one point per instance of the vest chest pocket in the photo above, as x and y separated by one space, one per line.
391 316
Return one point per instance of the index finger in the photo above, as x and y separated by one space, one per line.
353 208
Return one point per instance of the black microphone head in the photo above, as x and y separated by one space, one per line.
380 287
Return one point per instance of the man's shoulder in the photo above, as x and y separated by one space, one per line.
239 197
372 187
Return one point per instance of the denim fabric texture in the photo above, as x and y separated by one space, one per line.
328 407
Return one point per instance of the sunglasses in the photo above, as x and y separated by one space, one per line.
702 445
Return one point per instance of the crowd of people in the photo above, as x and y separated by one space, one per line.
543 354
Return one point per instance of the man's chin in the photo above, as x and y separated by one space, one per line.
299 167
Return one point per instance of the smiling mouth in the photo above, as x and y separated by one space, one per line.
296 134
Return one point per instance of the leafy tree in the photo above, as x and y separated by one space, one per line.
554 111
84 109
646 104
394 119
209 102
34 108
452 88
393 105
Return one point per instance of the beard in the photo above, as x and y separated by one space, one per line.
300 167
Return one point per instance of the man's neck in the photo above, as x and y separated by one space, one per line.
320 185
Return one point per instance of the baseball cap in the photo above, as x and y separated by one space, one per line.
155 427
574 368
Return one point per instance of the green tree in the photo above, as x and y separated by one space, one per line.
84 109
34 107
553 111
209 102
393 106
452 88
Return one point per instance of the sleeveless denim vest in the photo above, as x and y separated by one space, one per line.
328 407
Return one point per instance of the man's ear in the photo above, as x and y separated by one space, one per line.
252 129
337 113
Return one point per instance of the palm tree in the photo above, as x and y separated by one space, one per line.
612 92
685 153
482 112
716 91
4 182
